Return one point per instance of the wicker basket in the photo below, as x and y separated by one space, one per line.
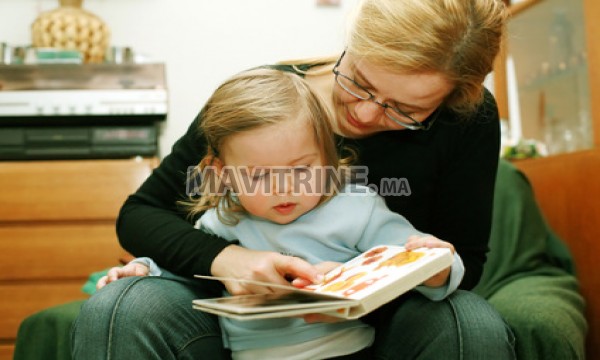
72 28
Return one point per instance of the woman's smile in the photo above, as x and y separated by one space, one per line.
352 121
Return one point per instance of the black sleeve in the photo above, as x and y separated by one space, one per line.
462 212
151 223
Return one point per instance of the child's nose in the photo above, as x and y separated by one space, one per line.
284 183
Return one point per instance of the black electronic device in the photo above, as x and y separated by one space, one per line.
74 111
78 142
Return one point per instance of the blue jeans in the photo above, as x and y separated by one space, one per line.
152 318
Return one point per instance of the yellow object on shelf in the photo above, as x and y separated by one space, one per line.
72 28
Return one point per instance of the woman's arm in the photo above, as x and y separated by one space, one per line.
462 210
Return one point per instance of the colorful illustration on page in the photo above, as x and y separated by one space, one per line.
366 273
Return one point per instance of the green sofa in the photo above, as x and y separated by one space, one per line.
529 277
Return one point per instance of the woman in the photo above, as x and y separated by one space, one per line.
408 95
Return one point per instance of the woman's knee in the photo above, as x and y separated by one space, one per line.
462 326
125 315
92 331
482 330
475 314
125 293
145 300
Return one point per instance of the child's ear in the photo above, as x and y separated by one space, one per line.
223 175
218 164
211 166
212 161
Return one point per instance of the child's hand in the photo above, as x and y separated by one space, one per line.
116 273
415 242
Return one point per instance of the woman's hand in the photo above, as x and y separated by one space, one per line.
323 268
116 273
415 242
266 266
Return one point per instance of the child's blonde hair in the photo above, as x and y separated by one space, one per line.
249 100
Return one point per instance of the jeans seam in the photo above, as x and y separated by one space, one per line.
113 316
458 330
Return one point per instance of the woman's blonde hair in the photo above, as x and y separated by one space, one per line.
459 38
249 100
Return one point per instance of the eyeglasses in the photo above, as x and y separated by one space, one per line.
393 113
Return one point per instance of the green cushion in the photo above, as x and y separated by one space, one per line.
50 329
46 334
546 315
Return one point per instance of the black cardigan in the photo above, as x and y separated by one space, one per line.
450 171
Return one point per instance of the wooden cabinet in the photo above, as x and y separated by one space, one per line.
548 78
57 226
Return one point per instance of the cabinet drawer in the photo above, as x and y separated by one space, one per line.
19 300
57 250
68 190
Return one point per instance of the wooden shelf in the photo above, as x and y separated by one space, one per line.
528 33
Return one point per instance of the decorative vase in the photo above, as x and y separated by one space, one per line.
70 27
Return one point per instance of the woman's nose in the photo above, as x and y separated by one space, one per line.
368 112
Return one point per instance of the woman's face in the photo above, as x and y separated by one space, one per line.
417 95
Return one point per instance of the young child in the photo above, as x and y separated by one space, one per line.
272 180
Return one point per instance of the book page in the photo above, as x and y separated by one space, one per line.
287 288
373 270
261 303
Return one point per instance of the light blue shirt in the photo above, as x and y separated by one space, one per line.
343 227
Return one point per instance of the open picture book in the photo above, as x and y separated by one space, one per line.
349 291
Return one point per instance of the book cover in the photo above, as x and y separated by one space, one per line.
349 291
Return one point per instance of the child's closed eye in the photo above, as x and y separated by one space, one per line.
301 168
259 174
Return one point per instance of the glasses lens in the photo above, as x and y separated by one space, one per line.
353 88
401 117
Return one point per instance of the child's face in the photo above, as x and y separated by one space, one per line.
277 170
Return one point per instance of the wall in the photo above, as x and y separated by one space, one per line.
202 42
